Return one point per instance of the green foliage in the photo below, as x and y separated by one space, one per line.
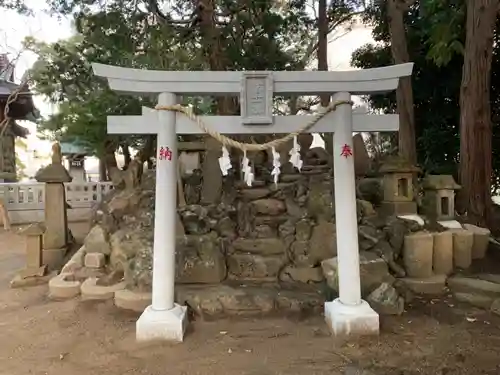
436 81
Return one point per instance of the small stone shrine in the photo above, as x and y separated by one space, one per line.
439 197
398 177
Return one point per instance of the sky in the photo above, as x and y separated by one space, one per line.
14 28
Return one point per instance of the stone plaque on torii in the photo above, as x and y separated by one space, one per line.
348 314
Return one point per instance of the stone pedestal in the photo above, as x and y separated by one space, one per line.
55 240
169 325
351 320
34 261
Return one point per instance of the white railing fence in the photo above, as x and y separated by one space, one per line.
25 202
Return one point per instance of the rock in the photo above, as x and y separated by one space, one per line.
373 272
434 285
386 301
320 199
269 206
76 262
477 300
463 241
300 254
302 274
396 230
226 227
365 208
199 260
94 260
418 254
125 244
480 242
442 263
195 220
458 284
494 278
370 189
303 230
323 243
254 267
263 246
264 231
495 307
97 241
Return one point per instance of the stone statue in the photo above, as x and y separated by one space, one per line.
56 153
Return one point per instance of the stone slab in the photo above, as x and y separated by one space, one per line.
434 285
131 300
348 321
166 325
19 282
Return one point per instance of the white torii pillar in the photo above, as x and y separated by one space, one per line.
348 314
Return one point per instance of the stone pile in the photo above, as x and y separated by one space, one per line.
269 247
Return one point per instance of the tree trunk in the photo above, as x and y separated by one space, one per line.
475 112
127 158
323 44
102 170
212 178
404 92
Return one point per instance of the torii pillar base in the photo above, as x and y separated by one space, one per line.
351 320
164 325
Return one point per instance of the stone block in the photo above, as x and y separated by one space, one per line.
418 254
95 260
443 253
458 284
131 300
481 240
398 208
302 274
477 300
254 267
262 246
90 290
64 286
269 206
434 285
199 259
463 240
323 243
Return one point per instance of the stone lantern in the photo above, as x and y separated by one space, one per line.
439 197
55 239
397 185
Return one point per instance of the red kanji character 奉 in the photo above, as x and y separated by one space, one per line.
346 151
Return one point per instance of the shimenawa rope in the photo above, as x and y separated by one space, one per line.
228 142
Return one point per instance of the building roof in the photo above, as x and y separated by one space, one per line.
24 108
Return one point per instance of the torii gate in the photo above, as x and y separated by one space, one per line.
348 314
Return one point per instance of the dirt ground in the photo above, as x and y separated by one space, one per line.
39 336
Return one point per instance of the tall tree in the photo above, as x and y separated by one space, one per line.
404 93
475 111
